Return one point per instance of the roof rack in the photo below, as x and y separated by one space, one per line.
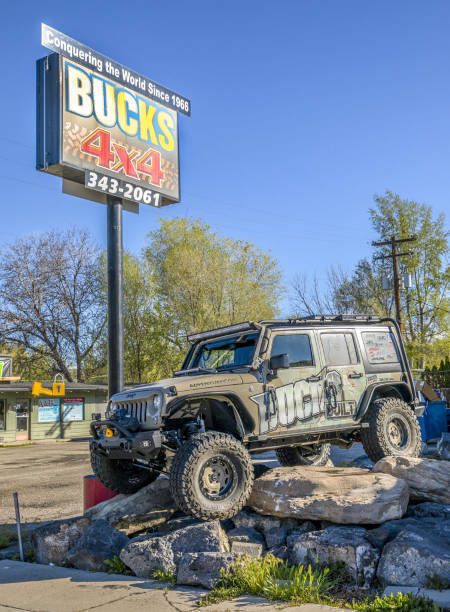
324 318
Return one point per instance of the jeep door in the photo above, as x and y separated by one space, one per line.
292 399
344 376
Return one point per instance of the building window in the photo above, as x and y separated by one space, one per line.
339 349
73 409
48 410
2 415
297 347
380 347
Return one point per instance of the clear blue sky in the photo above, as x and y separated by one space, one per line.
302 110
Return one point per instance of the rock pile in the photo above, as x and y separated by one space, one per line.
302 515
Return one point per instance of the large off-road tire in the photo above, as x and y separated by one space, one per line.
121 476
393 430
318 454
211 476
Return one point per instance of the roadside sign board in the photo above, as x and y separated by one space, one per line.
105 127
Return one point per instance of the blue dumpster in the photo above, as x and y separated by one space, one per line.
433 422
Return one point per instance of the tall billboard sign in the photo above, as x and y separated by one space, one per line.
106 127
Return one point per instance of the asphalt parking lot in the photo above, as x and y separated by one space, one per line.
48 476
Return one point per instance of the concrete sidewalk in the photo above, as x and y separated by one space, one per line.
42 588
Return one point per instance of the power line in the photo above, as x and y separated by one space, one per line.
394 255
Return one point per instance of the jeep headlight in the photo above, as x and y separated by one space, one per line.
154 405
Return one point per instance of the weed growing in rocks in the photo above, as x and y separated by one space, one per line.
437 582
402 602
164 576
116 566
7 539
272 578
276 580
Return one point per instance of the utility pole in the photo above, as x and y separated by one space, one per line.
394 255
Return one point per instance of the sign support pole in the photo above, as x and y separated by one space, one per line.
115 294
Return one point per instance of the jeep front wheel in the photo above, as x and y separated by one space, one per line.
316 454
121 476
393 429
211 476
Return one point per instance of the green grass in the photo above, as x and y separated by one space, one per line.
7 539
276 580
402 602
117 566
164 576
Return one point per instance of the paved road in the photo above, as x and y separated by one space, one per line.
40 588
48 477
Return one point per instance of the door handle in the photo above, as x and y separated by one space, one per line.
355 375
313 379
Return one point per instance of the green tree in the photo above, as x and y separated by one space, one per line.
202 281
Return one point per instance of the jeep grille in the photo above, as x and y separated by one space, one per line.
138 410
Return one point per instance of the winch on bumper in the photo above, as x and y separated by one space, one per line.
115 441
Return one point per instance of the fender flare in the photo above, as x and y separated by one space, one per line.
403 388
244 420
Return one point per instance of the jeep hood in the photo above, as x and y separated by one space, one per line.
183 384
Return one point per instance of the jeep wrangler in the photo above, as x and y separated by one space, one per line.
295 386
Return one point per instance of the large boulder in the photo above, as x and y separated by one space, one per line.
150 506
147 553
98 543
339 495
246 534
348 545
428 479
204 568
419 552
52 541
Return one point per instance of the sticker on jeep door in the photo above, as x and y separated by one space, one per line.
303 401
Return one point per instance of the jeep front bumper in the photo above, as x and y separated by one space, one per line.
122 443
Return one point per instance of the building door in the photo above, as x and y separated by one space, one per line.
22 419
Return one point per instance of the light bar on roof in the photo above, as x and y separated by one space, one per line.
221 331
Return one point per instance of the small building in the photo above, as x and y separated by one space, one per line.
27 417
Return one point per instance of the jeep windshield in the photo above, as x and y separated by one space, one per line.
226 353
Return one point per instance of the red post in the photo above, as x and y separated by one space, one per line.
94 492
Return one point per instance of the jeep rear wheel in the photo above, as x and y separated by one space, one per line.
316 454
393 430
211 476
121 476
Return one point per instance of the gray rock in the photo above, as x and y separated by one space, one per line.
280 552
428 479
416 554
430 509
52 541
203 569
346 544
262 522
245 534
147 553
443 446
388 531
276 536
150 506
251 549
98 543
340 495
305 527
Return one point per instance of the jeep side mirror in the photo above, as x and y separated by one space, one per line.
279 362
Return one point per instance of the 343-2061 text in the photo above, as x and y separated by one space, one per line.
121 189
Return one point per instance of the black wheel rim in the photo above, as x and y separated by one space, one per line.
217 478
398 432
